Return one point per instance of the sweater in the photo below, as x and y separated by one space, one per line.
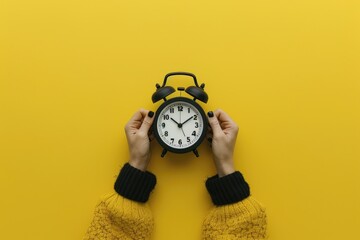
125 213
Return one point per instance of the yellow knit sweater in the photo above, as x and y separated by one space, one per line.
118 217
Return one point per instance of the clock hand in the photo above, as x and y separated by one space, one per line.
183 132
187 120
174 121
179 124
184 123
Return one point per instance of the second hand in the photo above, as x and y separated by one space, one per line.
180 121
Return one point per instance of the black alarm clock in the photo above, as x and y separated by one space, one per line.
180 123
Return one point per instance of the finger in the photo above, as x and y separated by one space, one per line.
209 130
147 122
209 138
151 134
134 123
223 116
226 123
214 123
151 137
209 134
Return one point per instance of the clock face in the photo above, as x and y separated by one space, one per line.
180 125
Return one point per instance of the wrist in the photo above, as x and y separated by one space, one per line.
224 169
229 189
134 184
139 164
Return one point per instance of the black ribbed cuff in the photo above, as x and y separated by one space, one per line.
134 184
229 189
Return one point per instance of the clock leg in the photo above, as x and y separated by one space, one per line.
163 152
196 152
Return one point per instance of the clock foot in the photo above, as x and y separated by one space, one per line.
163 153
196 152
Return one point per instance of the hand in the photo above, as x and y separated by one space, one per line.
223 132
137 130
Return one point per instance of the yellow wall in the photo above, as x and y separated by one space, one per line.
72 72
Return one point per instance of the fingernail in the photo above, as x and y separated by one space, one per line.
210 114
151 114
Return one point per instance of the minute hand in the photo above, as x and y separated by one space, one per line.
187 120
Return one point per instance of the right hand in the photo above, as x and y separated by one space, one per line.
223 133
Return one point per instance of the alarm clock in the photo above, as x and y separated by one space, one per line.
180 123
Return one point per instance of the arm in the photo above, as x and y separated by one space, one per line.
236 214
124 214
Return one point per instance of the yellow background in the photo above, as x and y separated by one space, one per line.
72 73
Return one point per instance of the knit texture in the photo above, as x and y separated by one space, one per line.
134 184
116 218
229 189
243 220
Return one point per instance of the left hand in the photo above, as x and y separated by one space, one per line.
137 130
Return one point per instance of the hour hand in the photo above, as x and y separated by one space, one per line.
179 124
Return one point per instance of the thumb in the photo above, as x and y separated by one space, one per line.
147 122
214 124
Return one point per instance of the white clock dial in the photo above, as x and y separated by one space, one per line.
180 125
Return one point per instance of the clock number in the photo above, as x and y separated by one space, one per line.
180 140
